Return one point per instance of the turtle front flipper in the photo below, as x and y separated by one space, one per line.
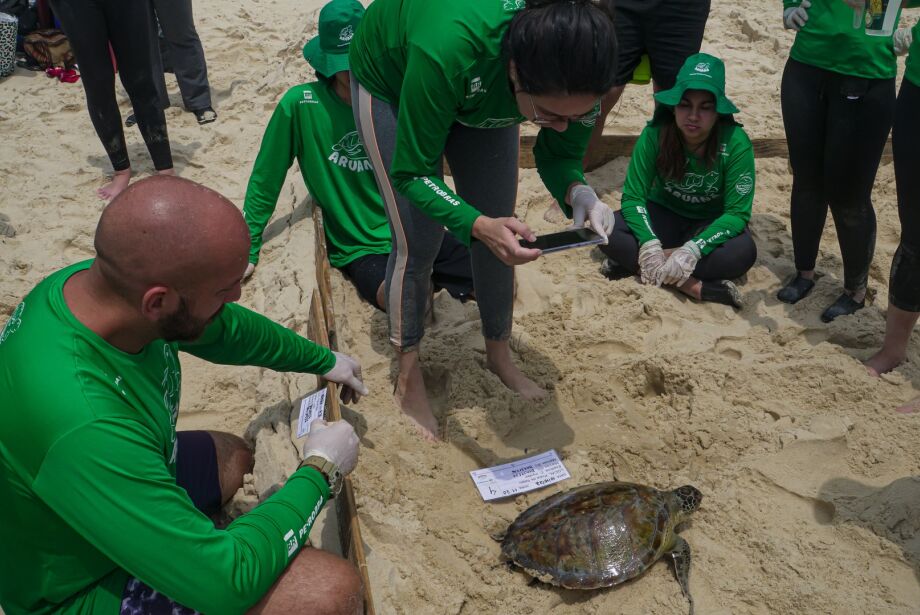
680 555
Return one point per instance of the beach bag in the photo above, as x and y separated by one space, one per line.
49 48
8 27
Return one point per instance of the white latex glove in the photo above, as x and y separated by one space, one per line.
249 269
587 207
336 441
679 265
902 40
347 372
795 16
651 258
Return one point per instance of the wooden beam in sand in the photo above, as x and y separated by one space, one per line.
346 507
614 146
324 277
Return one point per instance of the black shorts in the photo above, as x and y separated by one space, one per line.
452 271
198 474
669 31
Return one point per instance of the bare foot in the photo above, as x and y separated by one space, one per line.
882 362
910 407
112 189
167 172
412 397
498 360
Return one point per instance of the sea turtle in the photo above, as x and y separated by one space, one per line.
602 535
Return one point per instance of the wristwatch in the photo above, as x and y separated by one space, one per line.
328 469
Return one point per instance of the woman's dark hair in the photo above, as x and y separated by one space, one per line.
563 47
672 159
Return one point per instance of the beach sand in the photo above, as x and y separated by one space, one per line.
810 480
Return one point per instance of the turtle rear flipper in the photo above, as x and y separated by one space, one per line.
680 555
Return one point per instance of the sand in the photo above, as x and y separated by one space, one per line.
810 481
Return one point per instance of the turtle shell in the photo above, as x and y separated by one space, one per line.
592 536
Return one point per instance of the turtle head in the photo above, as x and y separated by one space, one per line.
689 498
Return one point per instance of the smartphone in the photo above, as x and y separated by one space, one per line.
554 242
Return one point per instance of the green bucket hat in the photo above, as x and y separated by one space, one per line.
328 52
700 71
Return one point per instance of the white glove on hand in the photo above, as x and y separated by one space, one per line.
336 441
679 265
902 39
586 206
651 258
347 372
249 269
795 16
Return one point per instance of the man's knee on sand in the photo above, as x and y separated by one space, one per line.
234 461
316 582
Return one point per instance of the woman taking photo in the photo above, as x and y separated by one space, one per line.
454 78
688 192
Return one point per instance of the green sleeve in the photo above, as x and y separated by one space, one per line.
268 173
558 156
239 336
739 177
427 104
109 482
639 179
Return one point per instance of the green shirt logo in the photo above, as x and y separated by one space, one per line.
349 153
13 324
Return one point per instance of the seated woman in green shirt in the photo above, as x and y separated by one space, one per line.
688 192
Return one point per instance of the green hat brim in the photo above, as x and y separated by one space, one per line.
324 63
672 97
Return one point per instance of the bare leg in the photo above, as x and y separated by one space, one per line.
412 396
169 171
120 180
315 583
499 362
592 155
234 461
382 296
898 326
910 407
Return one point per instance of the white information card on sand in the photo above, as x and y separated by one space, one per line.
312 407
519 476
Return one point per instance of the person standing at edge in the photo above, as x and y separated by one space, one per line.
314 124
181 51
904 285
90 25
668 31
838 99
454 79
99 491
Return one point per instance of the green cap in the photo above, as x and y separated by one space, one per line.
700 71
328 52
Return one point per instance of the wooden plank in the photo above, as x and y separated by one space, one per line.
324 276
346 506
614 146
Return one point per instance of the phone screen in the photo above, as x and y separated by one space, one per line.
554 242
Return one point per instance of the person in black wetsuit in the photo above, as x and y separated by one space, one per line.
91 25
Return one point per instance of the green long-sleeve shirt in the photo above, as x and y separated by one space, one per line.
316 127
724 192
87 467
828 40
441 63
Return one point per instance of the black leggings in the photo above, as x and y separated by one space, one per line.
904 291
730 260
836 127
90 26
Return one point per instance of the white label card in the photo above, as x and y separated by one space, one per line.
312 407
520 476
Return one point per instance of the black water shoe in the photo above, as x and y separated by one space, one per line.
796 290
721 291
843 306
205 116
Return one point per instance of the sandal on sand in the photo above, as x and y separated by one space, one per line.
843 306
613 270
721 291
796 290
205 116
131 120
